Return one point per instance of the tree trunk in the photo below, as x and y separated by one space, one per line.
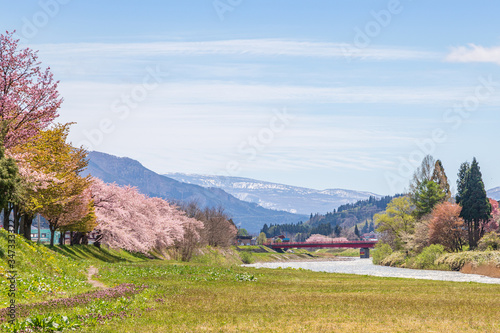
97 242
6 217
85 239
52 235
28 221
470 230
62 237
22 224
16 220
71 238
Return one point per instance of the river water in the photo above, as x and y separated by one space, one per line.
366 267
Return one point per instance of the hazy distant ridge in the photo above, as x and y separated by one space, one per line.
276 196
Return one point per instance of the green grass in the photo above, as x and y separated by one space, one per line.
338 252
200 298
92 253
215 294
41 272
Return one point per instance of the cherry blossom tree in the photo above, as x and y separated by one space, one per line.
129 220
494 221
51 167
29 99
317 238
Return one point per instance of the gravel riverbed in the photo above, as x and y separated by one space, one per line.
366 267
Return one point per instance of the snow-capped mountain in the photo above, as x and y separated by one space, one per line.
494 193
293 199
126 171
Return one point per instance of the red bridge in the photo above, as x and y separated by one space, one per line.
354 244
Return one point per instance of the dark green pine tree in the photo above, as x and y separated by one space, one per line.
365 229
338 230
356 231
461 181
265 229
476 208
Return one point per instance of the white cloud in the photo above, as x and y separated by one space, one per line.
474 53
201 93
239 47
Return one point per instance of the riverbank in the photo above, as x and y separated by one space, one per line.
211 295
366 267
205 298
469 262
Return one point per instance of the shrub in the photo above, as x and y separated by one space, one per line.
456 261
246 257
394 259
427 258
382 250
490 241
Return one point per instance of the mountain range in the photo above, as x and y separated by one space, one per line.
494 193
126 171
293 199
249 202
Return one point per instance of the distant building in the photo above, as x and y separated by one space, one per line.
244 240
44 235
371 236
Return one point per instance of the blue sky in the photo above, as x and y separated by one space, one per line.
320 94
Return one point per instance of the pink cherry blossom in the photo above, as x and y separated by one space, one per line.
29 99
129 220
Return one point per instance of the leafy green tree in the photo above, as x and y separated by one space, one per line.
382 251
397 221
476 208
427 196
261 239
429 186
242 232
422 174
9 184
61 201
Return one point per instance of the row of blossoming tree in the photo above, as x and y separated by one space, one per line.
40 173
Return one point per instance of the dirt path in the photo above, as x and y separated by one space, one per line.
91 272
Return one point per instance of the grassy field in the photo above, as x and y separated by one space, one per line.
197 298
214 294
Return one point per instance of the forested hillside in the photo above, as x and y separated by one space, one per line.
348 215
339 222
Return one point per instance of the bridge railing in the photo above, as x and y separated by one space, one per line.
349 244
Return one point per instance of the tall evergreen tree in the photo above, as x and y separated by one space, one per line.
461 181
356 231
338 230
440 178
365 229
476 208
